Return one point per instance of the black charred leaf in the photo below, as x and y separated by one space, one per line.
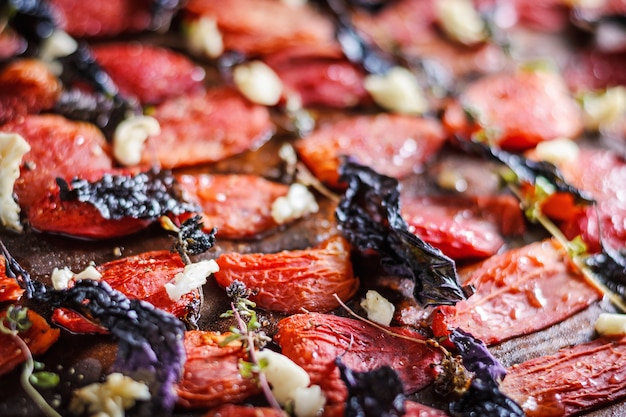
610 268
162 12
14 270
369 217
147 195
484 399
528 170
32 19
94 107
192 239
82 65
377 393
476 356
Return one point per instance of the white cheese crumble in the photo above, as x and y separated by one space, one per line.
130 136
558 150
12 148
460 21
61 277
258 82
57 45
397 91
378 308
298 202
609 324
110 398
193 276
603 108
290 383
204 37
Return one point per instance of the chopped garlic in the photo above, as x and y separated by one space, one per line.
558 150
61 277
609 324
130 136
378 309
298 202
258 82
57 45
193 276
204 37
460 21
603 108
110 398
397 91
290 383
12 148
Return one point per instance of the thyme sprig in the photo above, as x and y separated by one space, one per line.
248 332
14 322
191 239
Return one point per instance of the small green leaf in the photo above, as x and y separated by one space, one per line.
44 379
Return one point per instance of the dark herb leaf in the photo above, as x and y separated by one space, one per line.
377 393
476 356
528 170
484 399
610 268
192 239
147 195
369 217
162 12
32 19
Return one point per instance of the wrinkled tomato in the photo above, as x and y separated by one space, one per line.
9 288
393 145
232 410
314 341
209 127
240 206
211 375
294 281
518 292
515 110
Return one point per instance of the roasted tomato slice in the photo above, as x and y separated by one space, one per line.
463 228
39 337
294 281
394 145
9 288
233 410
572 381
314 341
59 148
26 86
240 206
142 277
151 74
518 292
211 375
249 26
594 70
515 110
209 127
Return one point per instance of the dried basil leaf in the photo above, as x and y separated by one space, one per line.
377 393
369 217
609 266
147 195
32 19
476 356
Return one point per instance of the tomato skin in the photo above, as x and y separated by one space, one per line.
239 205
38 338
314 341
232 410
151 74
517 110
391 144
10 290
26 86
204 128
294 281
211 375
518 292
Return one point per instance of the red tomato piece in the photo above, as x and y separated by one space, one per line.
59 148
142 277
516 110
26 86
39 337
314 341
233 410
573 381
542 15
99 18
203 128
294 281
394 145
151 74
460 227
518 292
595 70
9 288
249 26
211 375
240 206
